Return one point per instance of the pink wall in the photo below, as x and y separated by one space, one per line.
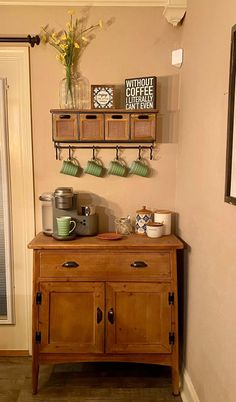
138 43
206 223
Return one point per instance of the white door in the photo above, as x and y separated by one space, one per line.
14 67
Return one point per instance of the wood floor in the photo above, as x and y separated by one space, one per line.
87 382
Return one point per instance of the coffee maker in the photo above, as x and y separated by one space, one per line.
65 202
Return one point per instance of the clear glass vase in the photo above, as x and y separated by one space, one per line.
84 99
74 92
68 92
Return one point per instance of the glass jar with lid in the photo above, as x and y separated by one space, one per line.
123 225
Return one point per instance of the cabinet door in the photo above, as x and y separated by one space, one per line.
138 318
71 317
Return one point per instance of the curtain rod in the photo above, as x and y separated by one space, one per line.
29 39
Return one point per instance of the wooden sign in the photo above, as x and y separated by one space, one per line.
140 93
102 96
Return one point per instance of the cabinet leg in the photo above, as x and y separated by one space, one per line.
35 375
175 381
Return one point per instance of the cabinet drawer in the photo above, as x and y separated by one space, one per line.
65 127
143 127
91 127
117 127
113 266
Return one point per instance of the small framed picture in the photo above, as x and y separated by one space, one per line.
140 93
102 96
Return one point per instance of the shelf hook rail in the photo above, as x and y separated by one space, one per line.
60 146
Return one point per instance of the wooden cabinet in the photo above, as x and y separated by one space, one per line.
104 125
96 300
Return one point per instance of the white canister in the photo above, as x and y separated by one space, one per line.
154 229
163 216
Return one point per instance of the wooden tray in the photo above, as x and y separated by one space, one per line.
109 236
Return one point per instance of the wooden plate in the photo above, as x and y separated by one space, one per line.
109 236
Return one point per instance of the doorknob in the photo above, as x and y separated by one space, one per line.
99 315
111 316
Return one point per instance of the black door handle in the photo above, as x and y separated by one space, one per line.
70 264
138 264
111 316
99 315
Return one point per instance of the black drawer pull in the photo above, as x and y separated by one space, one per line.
65 116
99 315
138 264
111 316
117 116
91 116
70 264
143 117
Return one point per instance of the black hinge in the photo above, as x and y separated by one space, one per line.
171 338
38 337
38 298
171 298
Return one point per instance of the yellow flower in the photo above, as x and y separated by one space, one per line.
68 40
63 47
44 38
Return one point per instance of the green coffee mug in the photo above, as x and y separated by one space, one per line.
70 167
117 168
94 167
64 226
140 168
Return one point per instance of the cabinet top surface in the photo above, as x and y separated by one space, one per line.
133 241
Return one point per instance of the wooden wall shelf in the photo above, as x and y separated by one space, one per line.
104 125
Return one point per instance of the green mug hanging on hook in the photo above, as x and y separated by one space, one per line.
71 166
117 167
94 166
139 167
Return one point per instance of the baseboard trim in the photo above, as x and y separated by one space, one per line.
14 353
188 393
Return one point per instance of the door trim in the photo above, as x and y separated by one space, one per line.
21 172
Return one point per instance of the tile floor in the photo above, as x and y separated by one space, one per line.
85 382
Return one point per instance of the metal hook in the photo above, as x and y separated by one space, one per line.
69 152
117 152
151 150
58 152
94 153
139 152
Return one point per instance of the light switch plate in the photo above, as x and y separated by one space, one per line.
177 58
